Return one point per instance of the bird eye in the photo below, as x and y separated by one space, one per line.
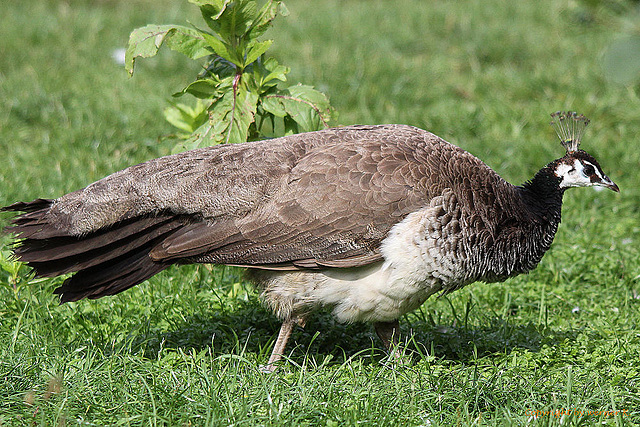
589 170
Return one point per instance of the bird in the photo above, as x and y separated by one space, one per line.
366 220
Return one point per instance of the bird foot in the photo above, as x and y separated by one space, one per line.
267 369
397 356
281 342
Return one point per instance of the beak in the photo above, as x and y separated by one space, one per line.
607 183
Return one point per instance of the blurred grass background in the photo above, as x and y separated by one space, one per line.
183 349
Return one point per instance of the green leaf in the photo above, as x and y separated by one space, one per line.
274 105
212 10
203 88
146 41
308 108
220 68
231 116
243 12
222 49
213 3
175 116
201 137
267 14
229 19
255 49
185 117
276 71
263 75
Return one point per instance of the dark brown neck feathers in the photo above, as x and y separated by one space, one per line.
543 195
521 245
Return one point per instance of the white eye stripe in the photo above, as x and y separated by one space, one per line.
596 171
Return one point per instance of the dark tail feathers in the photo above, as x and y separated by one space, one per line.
106 262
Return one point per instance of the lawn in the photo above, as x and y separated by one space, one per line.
559 346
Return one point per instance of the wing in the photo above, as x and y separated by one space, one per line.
331 209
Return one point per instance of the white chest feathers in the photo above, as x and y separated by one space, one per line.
419 257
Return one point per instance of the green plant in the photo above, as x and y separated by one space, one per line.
238 94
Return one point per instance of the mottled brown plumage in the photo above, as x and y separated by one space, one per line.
369 220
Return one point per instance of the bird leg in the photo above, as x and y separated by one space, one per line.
388 332
281 342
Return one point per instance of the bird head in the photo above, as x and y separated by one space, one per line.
577 168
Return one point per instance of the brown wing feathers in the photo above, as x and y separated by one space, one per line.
319 199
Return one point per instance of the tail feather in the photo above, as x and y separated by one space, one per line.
81 259
111 277
61 255
35 205
32 223
105 262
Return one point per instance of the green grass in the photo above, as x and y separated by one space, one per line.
185 347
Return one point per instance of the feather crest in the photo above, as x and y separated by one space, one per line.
570 127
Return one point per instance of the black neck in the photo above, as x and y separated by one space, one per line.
543 194
542 197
